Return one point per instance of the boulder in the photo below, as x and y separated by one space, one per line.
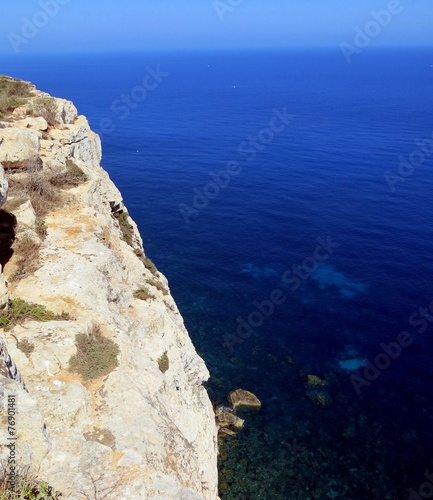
244 399
38 123
227 419
19 148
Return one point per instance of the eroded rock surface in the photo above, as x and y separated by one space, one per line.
19 148
138 431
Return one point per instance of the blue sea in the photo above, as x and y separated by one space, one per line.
288 198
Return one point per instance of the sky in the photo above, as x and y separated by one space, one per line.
28 26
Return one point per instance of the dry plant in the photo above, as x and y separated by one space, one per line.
47 108
26 487
27 252
102 487
35 186
72 177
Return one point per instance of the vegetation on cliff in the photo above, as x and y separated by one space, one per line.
19 311
13 93
96 355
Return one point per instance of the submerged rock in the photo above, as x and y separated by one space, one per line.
227 419
315 381
244 399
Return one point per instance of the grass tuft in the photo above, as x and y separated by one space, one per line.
148 264
27 251
36 187
12 94
26 346
96 355
19 311
47 108
143 294
163 362
159 286
25 487
122 219
73 176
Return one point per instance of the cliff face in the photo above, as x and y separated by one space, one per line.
147 428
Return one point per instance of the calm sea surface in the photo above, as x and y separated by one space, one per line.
298 178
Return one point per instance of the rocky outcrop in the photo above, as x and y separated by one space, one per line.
8 368
140 431
19 148
38 123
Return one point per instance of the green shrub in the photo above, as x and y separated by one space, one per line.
10 87
73 176
47 108
143 294
163 362
148 264
19 311
8 104
96 355
159 286
12 94
122 219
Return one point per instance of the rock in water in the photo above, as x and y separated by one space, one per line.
227 419
244 399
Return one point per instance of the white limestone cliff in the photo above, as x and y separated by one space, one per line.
137 432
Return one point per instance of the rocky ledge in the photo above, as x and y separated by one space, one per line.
132 420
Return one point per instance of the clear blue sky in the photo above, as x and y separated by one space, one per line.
94 25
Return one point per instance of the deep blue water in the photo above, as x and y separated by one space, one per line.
321 176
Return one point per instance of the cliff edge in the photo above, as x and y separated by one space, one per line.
106 387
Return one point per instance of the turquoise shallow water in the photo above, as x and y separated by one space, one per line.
335 176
